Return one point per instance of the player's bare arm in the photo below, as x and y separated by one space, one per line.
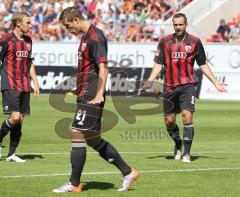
221 87
103 73
35 81
154 73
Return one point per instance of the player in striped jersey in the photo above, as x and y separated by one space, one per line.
91 79
17 70
176 54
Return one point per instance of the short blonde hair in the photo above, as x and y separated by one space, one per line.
18 17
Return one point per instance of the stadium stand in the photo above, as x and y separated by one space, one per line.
121 20
227 31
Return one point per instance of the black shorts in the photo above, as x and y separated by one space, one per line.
88 116
179 98
14 101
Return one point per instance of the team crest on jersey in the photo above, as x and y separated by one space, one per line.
79 55
84 46
188 48
29 47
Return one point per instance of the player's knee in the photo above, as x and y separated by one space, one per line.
187 117
76 135
15 118
169 121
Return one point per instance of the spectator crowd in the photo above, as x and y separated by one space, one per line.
121 20
227 31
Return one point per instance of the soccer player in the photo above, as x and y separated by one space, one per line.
91 79
16 72
176 53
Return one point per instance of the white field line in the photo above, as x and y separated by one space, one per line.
130 152
105 173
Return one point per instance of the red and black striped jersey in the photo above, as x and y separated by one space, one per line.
91 52
178 58
15 55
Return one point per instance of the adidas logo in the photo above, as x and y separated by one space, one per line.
5 108
186 138
110 160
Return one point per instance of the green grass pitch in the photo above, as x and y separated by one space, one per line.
215 170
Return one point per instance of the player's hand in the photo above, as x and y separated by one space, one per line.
146 86
36 91
221 87
97 100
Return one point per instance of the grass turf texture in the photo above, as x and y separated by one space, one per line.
215 169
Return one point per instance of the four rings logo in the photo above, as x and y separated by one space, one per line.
234 60
21 54
178 55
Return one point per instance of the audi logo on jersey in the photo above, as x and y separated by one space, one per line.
22 54
178 55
